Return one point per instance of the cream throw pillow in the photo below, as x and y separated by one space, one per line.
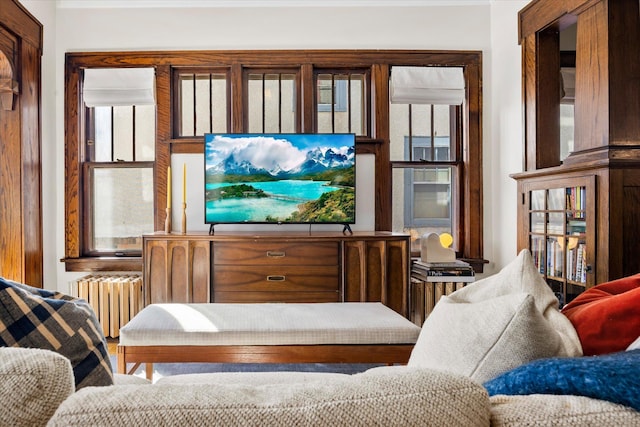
33 383
496 324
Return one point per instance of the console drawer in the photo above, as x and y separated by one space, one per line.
299 297
243 278
275 253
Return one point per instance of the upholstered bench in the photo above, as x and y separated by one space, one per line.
265 333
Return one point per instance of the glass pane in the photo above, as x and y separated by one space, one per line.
102 129
122 208
203 103
410 128
187 110
417 217
557 199
145 133
399 130
567 125
537 200
555 256
420 121
537 222
556 223
577 201
441 122
347 92
538 247
219 103
576 259
123 133
272 106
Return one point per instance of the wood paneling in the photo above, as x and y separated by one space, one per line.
379 62
20 162
607 129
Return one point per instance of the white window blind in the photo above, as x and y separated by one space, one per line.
119 87
427 85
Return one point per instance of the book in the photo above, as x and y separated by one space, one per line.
457 264
443 271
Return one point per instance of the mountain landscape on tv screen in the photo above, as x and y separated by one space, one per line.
297 178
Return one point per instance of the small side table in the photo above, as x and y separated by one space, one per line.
426 292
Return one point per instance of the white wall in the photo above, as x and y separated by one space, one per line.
489 28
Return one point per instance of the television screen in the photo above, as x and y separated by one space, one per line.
279 178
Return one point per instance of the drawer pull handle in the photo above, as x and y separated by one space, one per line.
275 254
276 278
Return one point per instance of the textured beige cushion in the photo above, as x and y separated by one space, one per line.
33 382
389 396
495 325
123 379
268 324
559 411
252 378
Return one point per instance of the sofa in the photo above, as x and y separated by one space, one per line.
37 390
498 352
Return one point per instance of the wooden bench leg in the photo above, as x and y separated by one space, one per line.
122 363
148 368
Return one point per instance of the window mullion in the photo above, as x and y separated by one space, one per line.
432 133
264 103
133 133
349 101
410 119
112 136
195 121
280 102
333 103
210 102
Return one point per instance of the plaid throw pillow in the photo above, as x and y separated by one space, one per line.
37 318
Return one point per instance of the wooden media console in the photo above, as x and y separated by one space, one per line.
297 267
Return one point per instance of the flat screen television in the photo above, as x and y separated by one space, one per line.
279 179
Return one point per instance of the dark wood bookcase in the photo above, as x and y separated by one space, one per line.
603 167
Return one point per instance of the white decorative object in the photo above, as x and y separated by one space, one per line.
431 250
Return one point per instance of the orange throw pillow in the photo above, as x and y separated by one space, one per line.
607 316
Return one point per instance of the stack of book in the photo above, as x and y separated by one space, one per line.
432 280
455 271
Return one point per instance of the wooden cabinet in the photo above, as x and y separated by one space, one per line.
277 267
604 159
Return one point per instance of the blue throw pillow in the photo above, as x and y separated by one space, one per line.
613 377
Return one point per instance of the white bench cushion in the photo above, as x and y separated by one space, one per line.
268 324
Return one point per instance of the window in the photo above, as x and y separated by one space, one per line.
428 157
271 98
118 203
341 102
203 103
426 145
428 190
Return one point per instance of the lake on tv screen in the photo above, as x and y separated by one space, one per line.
284 198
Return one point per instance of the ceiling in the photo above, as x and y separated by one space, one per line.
261 3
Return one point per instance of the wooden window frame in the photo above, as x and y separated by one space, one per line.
378 62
